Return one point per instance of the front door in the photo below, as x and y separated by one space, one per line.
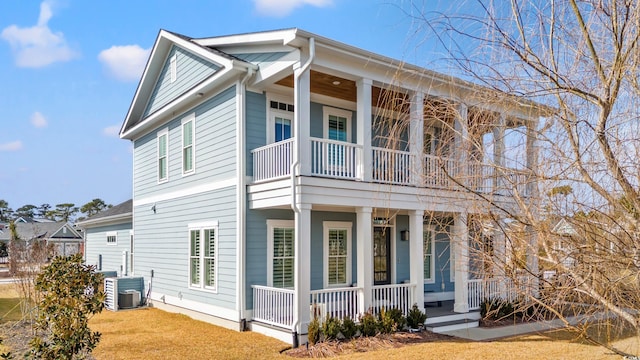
381 255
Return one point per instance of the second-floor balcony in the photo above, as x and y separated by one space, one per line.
343 160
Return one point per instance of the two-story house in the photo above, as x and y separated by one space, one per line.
281 174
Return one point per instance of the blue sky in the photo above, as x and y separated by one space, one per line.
63 100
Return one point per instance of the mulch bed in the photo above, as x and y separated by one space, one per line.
16 335
364 344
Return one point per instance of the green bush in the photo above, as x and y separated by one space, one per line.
331 328
368 324
416 318
349 328
70 292
390 321
314 331
498 309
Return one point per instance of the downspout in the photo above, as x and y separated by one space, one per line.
295 167
241 198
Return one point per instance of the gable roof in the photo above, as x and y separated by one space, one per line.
135 122
50 231
118 214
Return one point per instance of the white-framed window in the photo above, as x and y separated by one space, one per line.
173 67
162 149
428 246
188 144
203 247
112 238
337 124
280 253
337 253
280 124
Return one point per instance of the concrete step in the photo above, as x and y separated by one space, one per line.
453 317
462 324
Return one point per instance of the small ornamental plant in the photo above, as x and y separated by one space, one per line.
416 318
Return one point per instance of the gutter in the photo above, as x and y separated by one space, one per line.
295 168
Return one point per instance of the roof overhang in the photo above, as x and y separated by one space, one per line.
107 220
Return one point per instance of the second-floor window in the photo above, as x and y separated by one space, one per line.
162 156
188 140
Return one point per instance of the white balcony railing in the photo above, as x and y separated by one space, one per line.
391 166
336 159
341 160
398 296
337 303
272 161
273 306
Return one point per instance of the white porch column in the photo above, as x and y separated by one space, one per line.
301 119
499 183
461 139
416 138
302 267
416 256
460 243
363 122
532 191
364 257
532 261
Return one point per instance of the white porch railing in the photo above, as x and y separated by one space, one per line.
273 306
337 303
272 161
495 288
336 159
480 177
392 296
391 166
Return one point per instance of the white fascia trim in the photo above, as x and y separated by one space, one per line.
267 37
186 192
285 63
228 314
107 220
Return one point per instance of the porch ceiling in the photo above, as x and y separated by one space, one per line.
345 89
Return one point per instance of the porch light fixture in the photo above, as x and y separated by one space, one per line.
404 235
199 94
336 82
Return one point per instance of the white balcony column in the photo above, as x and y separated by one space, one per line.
532 191
301 120
461 140
364 257
416 138
532 160
416 256
499 183
302 267
460 245
363 125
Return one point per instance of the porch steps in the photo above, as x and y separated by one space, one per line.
445 323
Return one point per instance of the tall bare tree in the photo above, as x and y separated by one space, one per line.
581 59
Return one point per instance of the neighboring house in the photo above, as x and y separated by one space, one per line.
109 239
263 191
61 236
28 220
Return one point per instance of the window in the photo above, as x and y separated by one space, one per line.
163 174
173 67
280 124
337 254
202 256
428 239
281 239
282 128
112 238
337 124
188 154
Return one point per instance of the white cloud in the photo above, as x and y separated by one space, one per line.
112 131
11 146
38 46
38 120
126 62
281 8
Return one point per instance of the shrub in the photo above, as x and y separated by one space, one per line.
368 324
349 328
331 328
416 317
314 331
70 292
390 320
